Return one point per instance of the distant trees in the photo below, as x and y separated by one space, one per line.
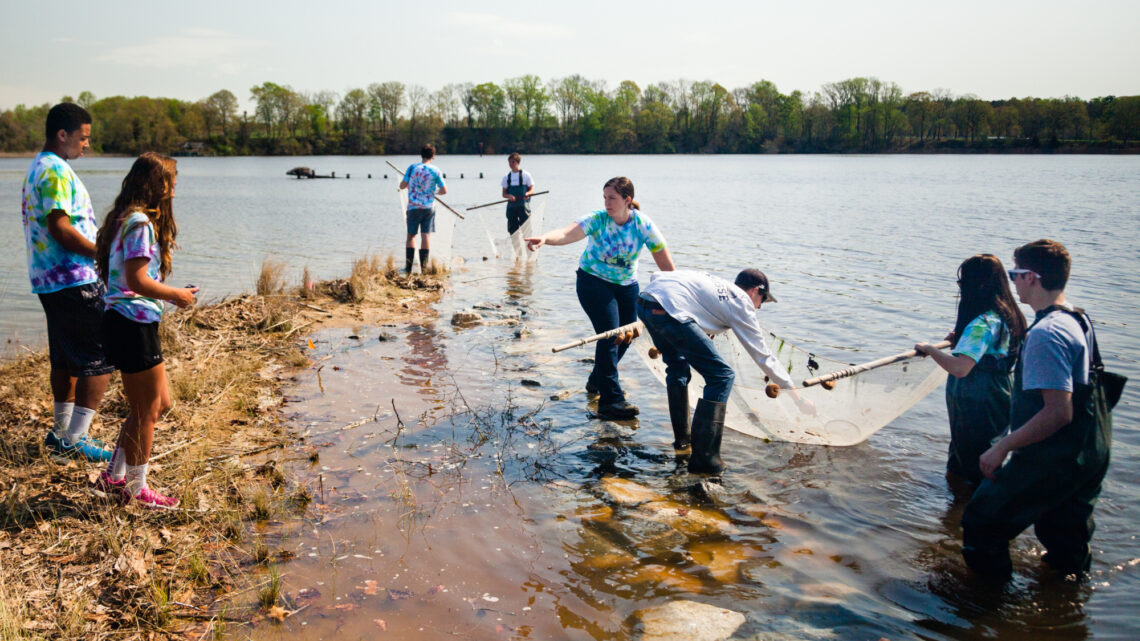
574 114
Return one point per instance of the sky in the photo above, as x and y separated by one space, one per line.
993 49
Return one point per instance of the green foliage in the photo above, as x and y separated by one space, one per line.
576 115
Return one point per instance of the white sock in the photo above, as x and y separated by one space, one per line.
136 477
117 468
62 418
81 418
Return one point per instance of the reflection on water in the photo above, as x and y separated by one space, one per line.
424 359
496 512
476 506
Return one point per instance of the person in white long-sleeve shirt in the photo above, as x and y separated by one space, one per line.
680 310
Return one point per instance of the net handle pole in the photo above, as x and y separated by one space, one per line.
499 202
437 198
635 325
868 366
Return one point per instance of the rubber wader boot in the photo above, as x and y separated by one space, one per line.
708 424
679 415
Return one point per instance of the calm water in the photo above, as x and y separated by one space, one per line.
487 528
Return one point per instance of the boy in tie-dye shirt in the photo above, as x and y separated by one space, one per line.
60 230
423 182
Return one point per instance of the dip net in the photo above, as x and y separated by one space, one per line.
856 408
512 247
441 238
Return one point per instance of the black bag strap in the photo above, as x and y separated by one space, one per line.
1082 318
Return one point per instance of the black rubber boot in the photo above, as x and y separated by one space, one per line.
679 415
409 256
708 425
618 410
424 260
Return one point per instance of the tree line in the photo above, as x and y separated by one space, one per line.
577 115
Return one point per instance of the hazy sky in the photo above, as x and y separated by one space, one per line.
994 49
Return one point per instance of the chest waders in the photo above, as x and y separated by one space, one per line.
519 211
978 408
1052 484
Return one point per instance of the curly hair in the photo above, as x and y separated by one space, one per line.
149 188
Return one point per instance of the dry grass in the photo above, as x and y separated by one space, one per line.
74 565
271 280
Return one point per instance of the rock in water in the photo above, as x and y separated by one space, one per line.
466 318
686 621
627 492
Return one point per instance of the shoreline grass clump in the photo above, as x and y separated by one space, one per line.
74 564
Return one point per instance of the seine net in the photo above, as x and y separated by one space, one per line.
512 247
856 408
441 237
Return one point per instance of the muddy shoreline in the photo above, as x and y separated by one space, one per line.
73 564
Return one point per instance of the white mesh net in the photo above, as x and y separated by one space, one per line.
512 247
444 230
850 413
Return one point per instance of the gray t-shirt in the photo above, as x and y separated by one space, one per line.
1055 352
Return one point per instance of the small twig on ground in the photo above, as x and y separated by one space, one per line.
174 449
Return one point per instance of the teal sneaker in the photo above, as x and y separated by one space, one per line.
87 447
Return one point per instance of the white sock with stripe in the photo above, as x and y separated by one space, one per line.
136 478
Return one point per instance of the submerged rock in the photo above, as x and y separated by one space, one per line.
627 492
692 521
563 395
465 317
724 559
686 621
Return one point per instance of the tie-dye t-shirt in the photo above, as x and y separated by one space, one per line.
612 250
423 181
982 336
50 185
135 239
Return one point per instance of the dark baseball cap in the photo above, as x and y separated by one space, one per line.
750 278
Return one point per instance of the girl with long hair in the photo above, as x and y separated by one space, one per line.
607 280
133 255
984 345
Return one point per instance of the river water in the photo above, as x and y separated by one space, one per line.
497 512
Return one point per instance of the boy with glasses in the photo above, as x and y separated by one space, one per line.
1060 434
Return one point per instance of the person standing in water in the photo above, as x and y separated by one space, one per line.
607 280
518 185
1060 445
423 181
60 230
983 350
682 310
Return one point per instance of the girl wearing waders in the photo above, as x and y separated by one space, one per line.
133 252
983 351
607 280
518 185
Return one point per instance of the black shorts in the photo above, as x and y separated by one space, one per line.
133 347
421 221
75 343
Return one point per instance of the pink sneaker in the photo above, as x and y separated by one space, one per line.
150 499
108 485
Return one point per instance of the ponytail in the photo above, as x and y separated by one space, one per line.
624 187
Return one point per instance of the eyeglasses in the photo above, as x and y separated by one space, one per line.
1014 274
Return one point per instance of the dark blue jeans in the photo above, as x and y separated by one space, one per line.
682 345
609 306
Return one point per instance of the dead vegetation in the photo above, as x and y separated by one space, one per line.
74 564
